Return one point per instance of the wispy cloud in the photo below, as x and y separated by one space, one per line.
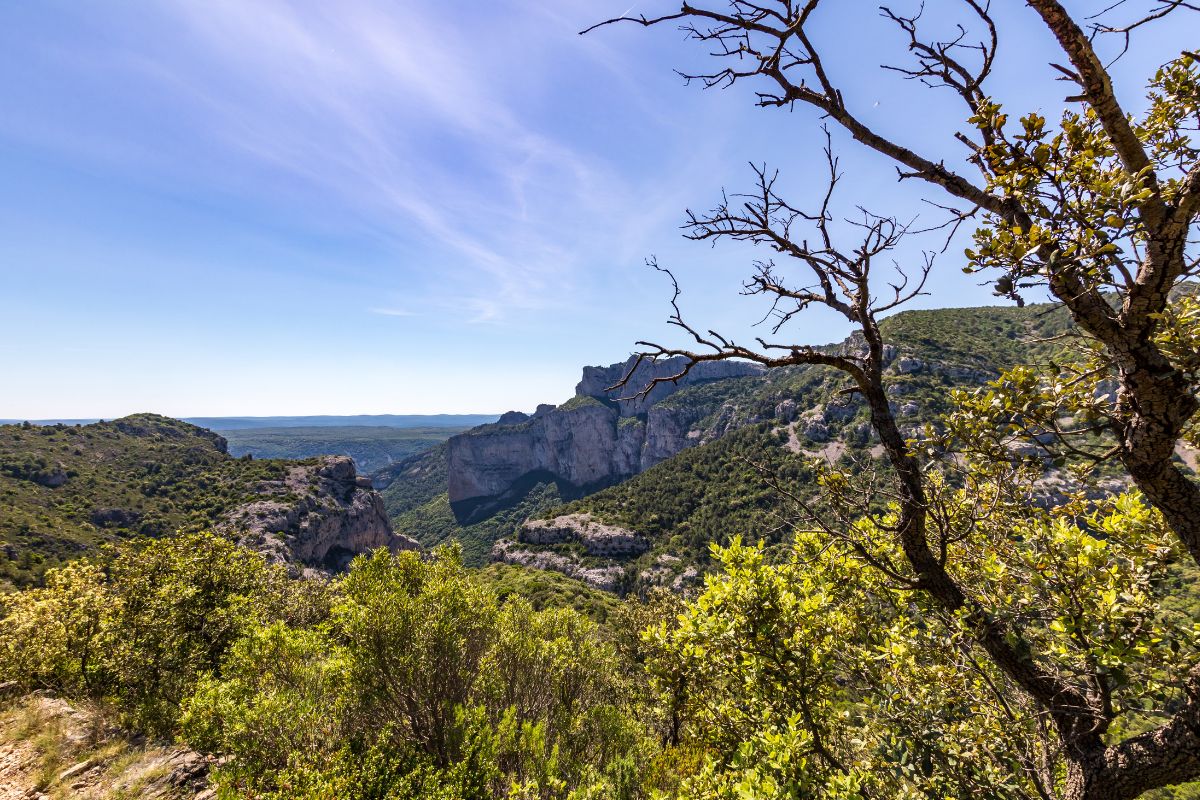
415 121
391 312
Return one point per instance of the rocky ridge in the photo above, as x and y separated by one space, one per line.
320 515
788 417
67 490
599 437
683 467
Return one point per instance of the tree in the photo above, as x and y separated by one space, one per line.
1099 209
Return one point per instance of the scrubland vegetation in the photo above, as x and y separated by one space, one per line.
925 626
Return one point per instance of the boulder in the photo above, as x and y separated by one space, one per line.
115 518
842 409
814 429
53 478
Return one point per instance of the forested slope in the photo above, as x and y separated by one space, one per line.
750 433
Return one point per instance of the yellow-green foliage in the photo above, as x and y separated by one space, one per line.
139 630
820 675
422 684
544 589
1083 202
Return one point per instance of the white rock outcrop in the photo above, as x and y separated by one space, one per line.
322 515
600 437
597 538
606 578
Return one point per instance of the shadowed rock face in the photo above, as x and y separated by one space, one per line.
578 446
598 380
323 517
597 439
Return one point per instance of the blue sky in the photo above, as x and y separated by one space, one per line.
237 207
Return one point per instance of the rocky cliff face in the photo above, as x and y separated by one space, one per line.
805 412
574 444
597 381
319 516
599 437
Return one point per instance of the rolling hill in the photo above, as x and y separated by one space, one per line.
371 447
65 490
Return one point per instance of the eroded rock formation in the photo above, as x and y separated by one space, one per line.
607 576
601 436
597 538
321 516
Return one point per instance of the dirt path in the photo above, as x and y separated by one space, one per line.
51 750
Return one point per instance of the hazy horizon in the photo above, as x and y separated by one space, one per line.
299 420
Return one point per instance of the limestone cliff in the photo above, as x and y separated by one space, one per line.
320 515
598 381
601 436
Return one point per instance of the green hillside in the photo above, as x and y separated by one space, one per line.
722 488
432 522
548 590
987 336
66 489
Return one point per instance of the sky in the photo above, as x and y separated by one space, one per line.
260 207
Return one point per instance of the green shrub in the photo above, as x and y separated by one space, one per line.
142 629
50 637
422 684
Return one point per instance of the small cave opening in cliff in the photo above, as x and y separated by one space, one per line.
337 559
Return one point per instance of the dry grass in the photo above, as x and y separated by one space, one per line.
42 737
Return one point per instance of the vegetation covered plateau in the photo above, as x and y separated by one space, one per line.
371 447
68 489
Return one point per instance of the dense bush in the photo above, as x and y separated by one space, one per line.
422 684
139 629
819 677
409 677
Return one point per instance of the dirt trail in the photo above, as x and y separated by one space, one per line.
51 750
